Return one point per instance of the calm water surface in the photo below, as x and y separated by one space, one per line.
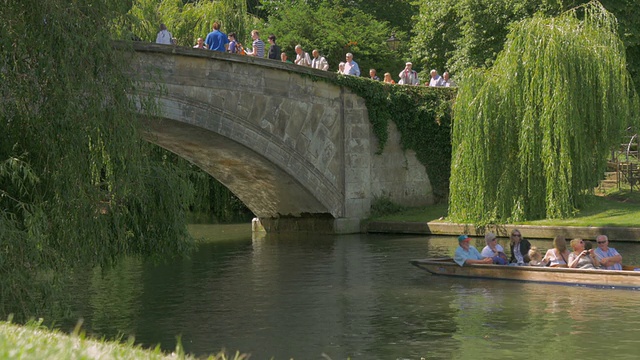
350 296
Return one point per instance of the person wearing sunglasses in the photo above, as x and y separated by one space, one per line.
581 258
519 248
609 258
494 250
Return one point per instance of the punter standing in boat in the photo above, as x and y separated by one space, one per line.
581 258
519 248
609 258
467 254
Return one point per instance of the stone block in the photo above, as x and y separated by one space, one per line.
357 131
357 146
347 226
277 154
358 208
319 143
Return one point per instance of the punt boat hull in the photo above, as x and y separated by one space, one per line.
624 279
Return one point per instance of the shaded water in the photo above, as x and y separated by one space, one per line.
350 296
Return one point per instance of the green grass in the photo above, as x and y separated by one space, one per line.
34 341
613 209
422 214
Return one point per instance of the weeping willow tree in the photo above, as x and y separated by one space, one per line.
532 133
78 185
189 20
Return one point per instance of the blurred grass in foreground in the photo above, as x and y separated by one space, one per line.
34 341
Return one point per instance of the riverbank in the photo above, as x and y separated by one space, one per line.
616 215
34 341
631 234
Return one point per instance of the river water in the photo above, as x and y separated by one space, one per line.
353 296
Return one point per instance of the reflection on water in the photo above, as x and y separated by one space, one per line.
349 296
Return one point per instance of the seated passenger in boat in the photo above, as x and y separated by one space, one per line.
519 248
467 254
609 258
558 255
581 258
535 256
494 250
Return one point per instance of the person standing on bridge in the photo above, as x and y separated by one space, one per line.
408 76
302 57
200 44
274 50
258 45
351 67
164 36
319 62
283 57
217 40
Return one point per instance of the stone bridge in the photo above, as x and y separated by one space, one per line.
298 150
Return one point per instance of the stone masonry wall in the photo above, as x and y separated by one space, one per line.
285 143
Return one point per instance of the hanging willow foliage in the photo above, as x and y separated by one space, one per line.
531 134
77 183
188 20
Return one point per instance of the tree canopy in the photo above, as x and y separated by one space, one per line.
456 35
188 21
78 185
334 30
532 133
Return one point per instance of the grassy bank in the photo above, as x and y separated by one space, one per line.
34 341
614 209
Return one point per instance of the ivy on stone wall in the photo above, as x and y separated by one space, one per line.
423 117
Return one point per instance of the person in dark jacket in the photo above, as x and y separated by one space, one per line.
274 50
519 248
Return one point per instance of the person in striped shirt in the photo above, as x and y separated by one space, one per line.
258 45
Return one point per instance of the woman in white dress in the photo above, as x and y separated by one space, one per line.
557 256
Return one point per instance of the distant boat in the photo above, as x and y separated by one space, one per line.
624 279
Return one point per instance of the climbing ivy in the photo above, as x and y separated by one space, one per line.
423 118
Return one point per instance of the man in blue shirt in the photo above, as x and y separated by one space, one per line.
351 67
217 40
609 258
467 254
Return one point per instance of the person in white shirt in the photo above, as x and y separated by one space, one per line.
319 62
302 58
164 36
200 44
436 80
408 76
494 250
447 80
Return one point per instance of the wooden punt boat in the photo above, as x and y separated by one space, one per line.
624 279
